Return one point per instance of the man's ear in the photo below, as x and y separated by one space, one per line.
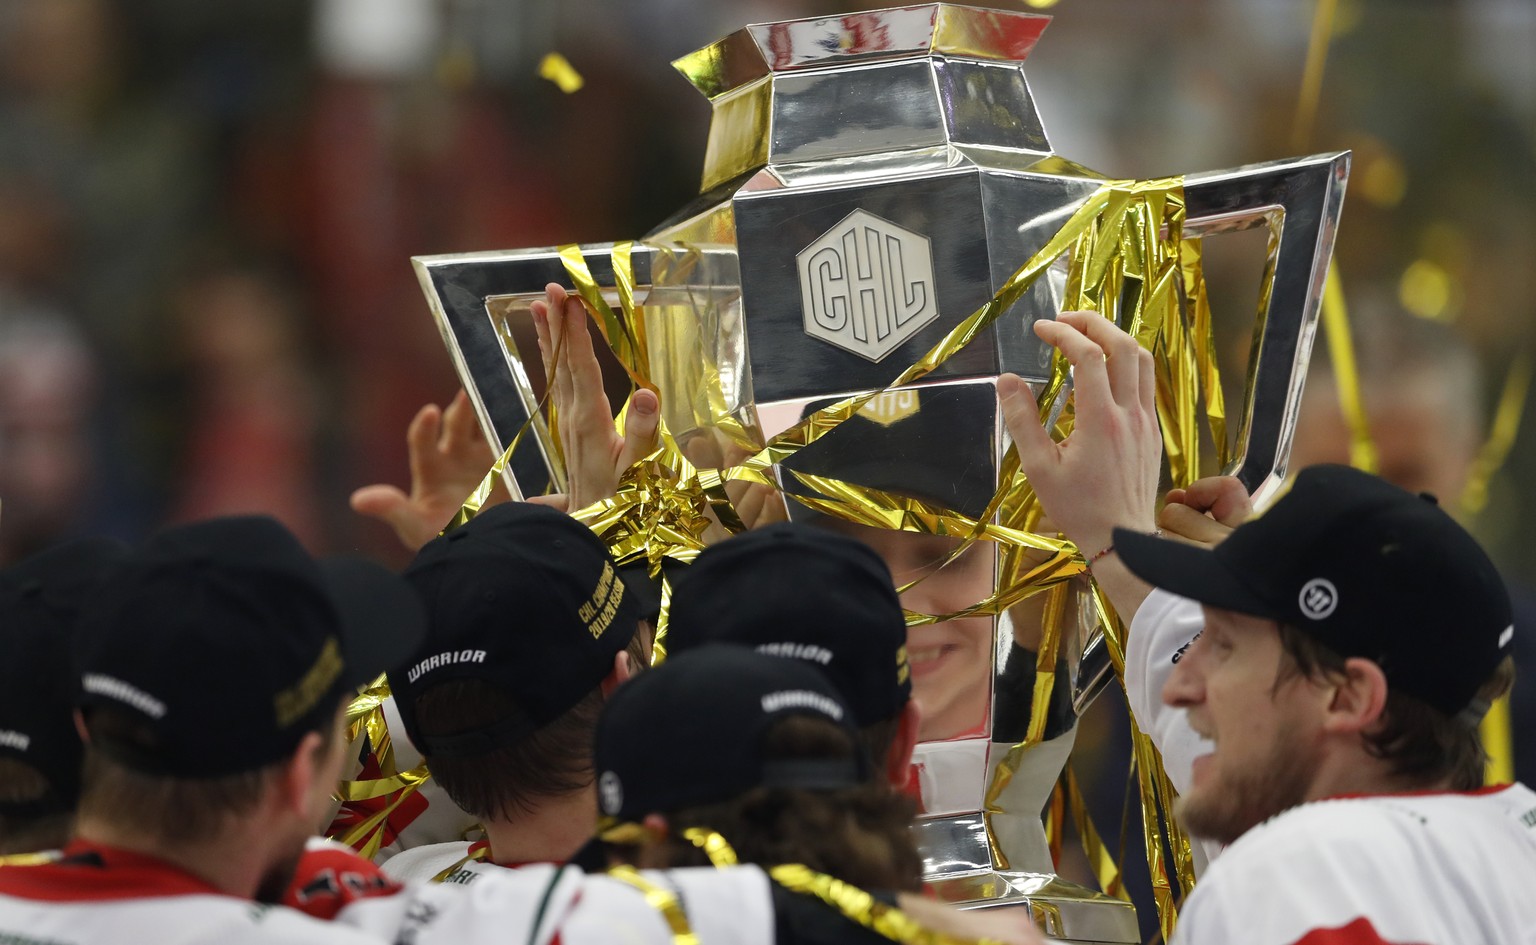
620 674
80 729
656 827
1359 697
899 761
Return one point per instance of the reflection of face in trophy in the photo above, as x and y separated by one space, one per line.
931 445
951 660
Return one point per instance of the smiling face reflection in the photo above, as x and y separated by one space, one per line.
951 660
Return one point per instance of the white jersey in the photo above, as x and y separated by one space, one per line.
98 896
1426 869
545 904
84 898
426 864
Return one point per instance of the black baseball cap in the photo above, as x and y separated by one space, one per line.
934 444
522 597
42 600
228 642
1364 568
692 732
806 593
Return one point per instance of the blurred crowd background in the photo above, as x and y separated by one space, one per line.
207 209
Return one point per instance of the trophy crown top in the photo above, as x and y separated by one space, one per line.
759 50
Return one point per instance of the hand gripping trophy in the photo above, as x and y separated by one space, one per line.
880 221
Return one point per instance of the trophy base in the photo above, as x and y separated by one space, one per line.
1065 911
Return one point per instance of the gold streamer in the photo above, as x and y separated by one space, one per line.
1498 735
661 899
1128 262
1105 869
1312 77
1346 376
886 921
1152 832
851 901
557 69
716 847
1506 423
1499 743
478 855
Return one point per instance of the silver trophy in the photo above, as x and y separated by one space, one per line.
871 180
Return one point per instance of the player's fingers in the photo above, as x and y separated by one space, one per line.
458 421
391 506
1122 355
1182 521
377 500
585 373
1037 451
640 423
1090 377
1223 497
421 440
558 501
540 313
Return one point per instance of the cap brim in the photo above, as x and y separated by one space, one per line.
382 618
1188 570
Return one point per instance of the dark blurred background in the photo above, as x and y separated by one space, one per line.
207 209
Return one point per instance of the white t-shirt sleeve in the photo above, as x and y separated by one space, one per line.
1163 628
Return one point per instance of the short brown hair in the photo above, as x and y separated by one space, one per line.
21 783
861 835
553 761
1422 743
877 739
176 810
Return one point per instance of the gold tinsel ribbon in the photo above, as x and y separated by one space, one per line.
479 855
366 725
859 906
630 531
1127 262
854 903
663 900
1497 732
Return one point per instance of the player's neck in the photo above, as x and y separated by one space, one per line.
1354 773
554 830
227 863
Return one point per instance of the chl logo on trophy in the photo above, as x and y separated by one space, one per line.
866 285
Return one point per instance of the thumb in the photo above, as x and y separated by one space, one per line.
392 507
378 501
640 423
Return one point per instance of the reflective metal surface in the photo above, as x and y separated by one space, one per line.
871 180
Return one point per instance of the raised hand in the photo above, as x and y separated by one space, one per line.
448 458
596 455
1104 475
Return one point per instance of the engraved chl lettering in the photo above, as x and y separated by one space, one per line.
867 285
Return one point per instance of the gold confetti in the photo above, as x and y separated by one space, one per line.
557 69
